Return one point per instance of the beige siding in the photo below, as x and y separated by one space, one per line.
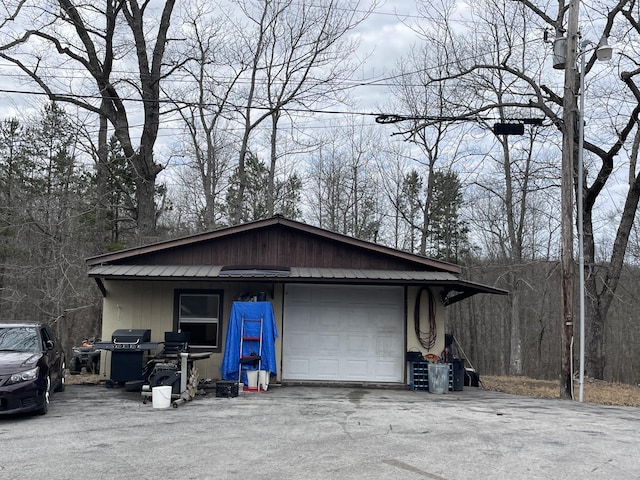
412 340
149 305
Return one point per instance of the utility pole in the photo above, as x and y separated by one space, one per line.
568 154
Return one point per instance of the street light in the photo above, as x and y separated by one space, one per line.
603 53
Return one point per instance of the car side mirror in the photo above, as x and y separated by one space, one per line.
49 344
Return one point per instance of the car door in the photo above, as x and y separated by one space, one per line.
53 353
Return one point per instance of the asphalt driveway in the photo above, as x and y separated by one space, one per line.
92 432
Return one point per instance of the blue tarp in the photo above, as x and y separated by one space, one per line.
231 358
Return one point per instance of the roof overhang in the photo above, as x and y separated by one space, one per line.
453 288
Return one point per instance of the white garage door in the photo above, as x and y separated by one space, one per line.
343 333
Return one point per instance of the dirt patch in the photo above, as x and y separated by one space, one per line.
595 391
83 379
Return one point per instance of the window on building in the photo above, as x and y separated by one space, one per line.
199 313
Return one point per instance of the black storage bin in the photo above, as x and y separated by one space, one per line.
226 389
414 357
458 374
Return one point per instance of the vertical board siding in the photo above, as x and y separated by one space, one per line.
275 245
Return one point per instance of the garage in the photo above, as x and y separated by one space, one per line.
343 333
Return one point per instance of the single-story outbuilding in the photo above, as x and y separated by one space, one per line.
345 310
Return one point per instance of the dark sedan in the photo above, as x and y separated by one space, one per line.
32 366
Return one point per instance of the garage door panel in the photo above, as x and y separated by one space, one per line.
303 319
386 371
348 333
330 296
386 346
357 344
300 367
357 369
329 320
326 344
326 368
300 343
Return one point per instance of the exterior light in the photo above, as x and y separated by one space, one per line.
604 51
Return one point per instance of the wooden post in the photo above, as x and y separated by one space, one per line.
568 154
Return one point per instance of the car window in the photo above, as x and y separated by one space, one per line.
24 339
45 337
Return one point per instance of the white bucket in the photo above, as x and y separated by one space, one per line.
161 396
252 379
263 379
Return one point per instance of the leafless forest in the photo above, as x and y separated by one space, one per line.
124 122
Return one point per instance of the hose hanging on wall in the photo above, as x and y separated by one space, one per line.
426 340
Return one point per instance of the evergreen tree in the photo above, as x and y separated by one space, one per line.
448 234
255 198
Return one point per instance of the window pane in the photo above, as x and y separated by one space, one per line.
205 334
199 316
200 306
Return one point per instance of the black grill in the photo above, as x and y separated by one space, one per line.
128 348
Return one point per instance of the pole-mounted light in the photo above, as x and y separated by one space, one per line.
603 53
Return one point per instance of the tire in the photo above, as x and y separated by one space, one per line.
133 386
62 381
76 367
166 378
47 396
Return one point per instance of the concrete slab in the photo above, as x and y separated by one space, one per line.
321 433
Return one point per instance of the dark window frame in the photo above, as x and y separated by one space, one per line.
177 293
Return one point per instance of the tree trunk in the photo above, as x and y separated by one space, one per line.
271 189
515 359
102 184
145 179
594 341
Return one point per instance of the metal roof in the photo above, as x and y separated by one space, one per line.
449 282
198 272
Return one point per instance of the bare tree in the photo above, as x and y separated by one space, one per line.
422 92
298 50
615 138
80 37
343 190
530 89
205 103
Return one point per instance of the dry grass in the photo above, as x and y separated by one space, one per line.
595 391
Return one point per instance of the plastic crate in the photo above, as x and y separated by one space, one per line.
226 389
420 376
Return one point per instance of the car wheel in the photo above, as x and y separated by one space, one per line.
47 394
76 367
62 379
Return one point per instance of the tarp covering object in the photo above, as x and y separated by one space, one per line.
231 358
